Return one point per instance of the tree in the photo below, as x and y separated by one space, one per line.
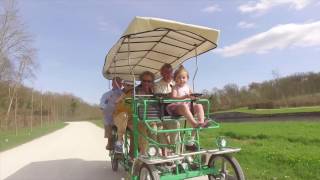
17 56
231 91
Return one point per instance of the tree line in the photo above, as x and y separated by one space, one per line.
31 108
300 89
21 106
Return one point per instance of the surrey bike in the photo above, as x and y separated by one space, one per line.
147 44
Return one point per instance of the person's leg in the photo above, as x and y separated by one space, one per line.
183 109
131 145
160 137
108 135
173 136
153 135
143 143
130 127
190 145
198 108
200 115
121 121
164 138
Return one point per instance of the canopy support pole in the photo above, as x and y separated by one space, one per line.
131 67
195 73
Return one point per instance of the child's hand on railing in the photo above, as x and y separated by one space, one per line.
194 98
187 96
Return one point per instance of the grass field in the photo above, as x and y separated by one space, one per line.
273 150
275 111
9 139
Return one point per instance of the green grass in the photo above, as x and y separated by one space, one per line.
9 139
275 111
273 150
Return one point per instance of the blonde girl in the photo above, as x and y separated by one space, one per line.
181 90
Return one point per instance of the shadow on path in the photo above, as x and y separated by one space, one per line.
68 169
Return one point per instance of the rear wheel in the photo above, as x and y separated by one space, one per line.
113 155
114 164
227 168
148 172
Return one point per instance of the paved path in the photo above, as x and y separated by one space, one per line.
75 152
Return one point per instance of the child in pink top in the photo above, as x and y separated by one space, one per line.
181 90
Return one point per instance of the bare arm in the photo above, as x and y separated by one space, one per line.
174 95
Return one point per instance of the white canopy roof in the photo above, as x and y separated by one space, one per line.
148 43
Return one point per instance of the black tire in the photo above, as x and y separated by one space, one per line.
148 172
126 155
114 164
114 159
227 166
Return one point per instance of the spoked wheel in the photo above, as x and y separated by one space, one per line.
148 172
126 155
114 159
227 166
114 164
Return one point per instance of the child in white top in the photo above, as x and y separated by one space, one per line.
181 90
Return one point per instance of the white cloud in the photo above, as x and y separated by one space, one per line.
211 9
278 37
246 25
264 5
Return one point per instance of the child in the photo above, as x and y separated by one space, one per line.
107 105
181 90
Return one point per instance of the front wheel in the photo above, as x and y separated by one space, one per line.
148 172
227 168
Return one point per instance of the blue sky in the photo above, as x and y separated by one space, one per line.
257 38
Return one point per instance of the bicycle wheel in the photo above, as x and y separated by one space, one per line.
148 172
227 166
114 159
114 164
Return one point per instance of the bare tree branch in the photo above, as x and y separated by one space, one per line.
18 57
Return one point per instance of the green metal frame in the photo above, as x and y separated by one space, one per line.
144 102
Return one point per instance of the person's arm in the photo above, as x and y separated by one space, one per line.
102 101
174 95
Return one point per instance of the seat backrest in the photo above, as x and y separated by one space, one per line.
153 111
